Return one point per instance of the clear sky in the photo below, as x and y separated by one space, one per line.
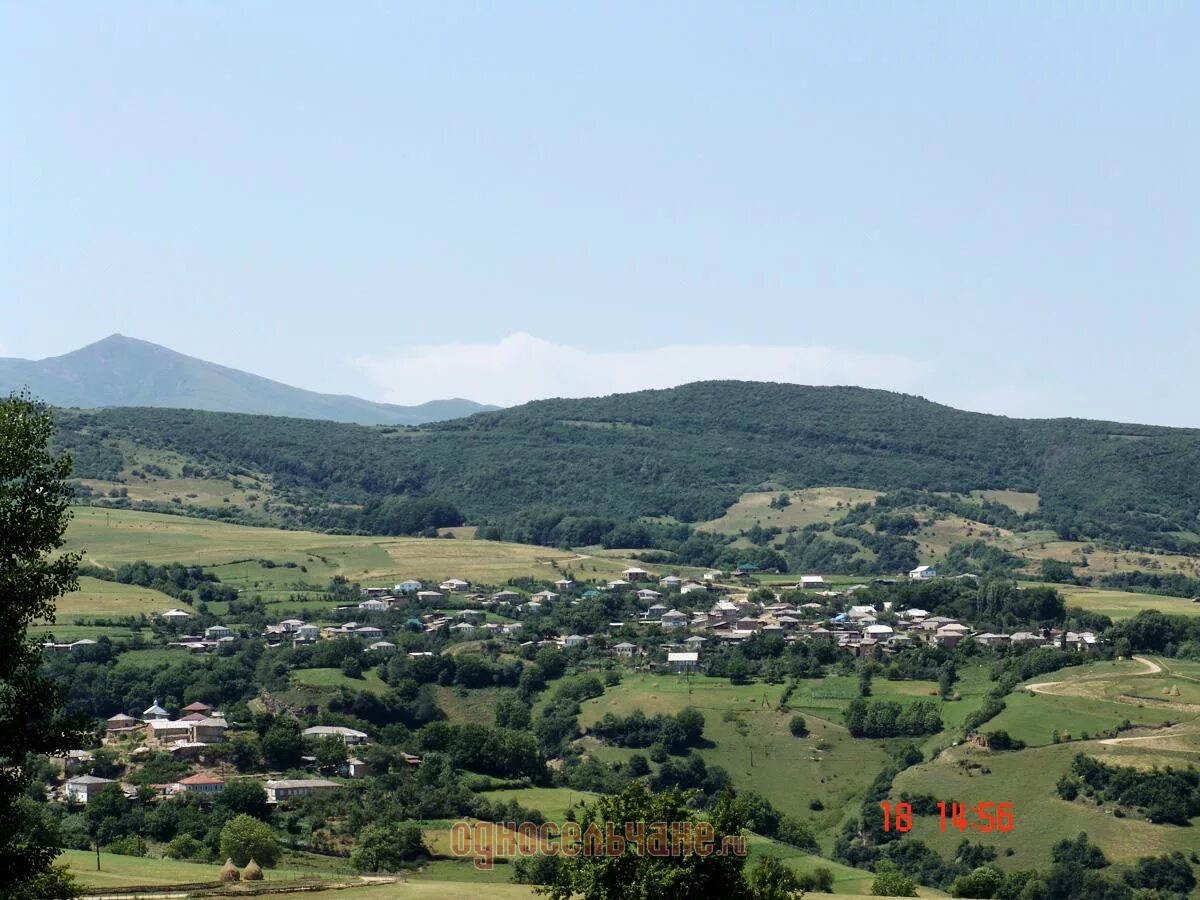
994 205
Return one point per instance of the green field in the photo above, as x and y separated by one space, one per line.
233 553
750 739
124 871
1094 699
552 802
332 679
1123 604
824 504
1027 779
108 598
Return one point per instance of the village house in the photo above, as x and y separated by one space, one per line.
988 639
409 586
217 633
455 586
373 604
176 615
369 632
633 573
429 596
654 613
564 584
673 619
647 594
203 785
296 787
197 706
121 724
382 647
349 735
624 649
922 572
208 730
544 596
308 633
573 640
154 711
683 662
670 581
692 587
814 582
83 788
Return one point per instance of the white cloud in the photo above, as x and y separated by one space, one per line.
521 367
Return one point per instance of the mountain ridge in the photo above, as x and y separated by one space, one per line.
120 371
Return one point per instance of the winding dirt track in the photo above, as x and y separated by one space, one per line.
1149 667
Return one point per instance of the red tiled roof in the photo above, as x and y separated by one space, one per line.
201 779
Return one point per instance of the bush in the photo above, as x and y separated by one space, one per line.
185 846
129 845
798 727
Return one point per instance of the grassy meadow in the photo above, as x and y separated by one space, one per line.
235 553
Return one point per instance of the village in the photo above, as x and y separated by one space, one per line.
676 620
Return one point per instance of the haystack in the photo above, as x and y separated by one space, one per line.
229 872
252 872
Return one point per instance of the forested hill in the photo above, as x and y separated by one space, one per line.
688 452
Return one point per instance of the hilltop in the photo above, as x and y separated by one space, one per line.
122 371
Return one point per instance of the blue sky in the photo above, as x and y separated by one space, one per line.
994 205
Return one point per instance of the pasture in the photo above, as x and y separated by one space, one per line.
107 599
300 560
747 734
1124 604
124 871
808 506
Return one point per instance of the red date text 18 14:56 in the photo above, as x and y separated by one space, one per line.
983 817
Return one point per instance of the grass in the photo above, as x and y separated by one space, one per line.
233 553
96 598
1124 604
332 679
1026 779
553 803
824 504
125 871
419 888
748 735
473 707
150 658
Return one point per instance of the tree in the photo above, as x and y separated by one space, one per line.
772 880
387 846
797 726
891 882
245 796
245 838
282 744
982 883
34 497
648 875
331 753
1122 648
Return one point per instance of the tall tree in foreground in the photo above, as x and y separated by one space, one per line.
33 516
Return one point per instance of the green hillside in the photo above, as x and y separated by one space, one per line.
687 454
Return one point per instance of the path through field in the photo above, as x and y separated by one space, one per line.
1079 687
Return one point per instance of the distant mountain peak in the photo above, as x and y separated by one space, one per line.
119 370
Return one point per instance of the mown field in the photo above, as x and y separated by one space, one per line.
124 871
305 559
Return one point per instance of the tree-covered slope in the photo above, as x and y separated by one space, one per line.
691 451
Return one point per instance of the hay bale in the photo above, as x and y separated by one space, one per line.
229 872
252 872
